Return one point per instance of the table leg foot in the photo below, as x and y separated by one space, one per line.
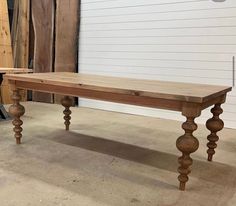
187 144
67 103
215 124
17 110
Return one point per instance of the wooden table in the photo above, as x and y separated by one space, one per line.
190 99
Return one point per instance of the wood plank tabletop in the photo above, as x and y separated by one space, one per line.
187 92
15 70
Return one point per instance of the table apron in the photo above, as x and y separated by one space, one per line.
175 105
100 95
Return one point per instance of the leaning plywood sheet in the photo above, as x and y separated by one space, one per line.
43 22
6 59
66 46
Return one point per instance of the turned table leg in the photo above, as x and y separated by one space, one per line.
187 144
215 124
17 110
67 103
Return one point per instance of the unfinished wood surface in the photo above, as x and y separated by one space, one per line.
14 25
6 59
66 38
15 70
20 36
5 37
190 99
43 23
66 35
20 33
198 93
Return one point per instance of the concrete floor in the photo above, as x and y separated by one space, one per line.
109 159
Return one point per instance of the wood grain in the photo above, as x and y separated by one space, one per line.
66 38
17 110
43 22
15 70
190 99
101 95
5 38
5 89
186 92
6 59
215 124
20 33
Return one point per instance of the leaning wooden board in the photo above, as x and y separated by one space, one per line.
190 99
43 23
6 59
20 33
66 37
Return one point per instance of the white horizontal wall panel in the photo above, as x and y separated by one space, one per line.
148 6
221 75
161 31
194 40
172 25
176 78
181 15
164 48
160 62
170 40
215 57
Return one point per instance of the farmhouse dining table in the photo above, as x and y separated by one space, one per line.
190 99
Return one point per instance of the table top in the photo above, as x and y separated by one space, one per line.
187 92
15 70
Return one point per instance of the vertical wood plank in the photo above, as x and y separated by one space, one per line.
6 59
14 26
43 23
66 37
20 34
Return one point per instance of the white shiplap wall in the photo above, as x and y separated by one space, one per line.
174 40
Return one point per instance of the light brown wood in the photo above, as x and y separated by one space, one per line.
43 23
66 38
6 59
20 33
5 91
14 23
20 37
15 70
186 92
190 99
